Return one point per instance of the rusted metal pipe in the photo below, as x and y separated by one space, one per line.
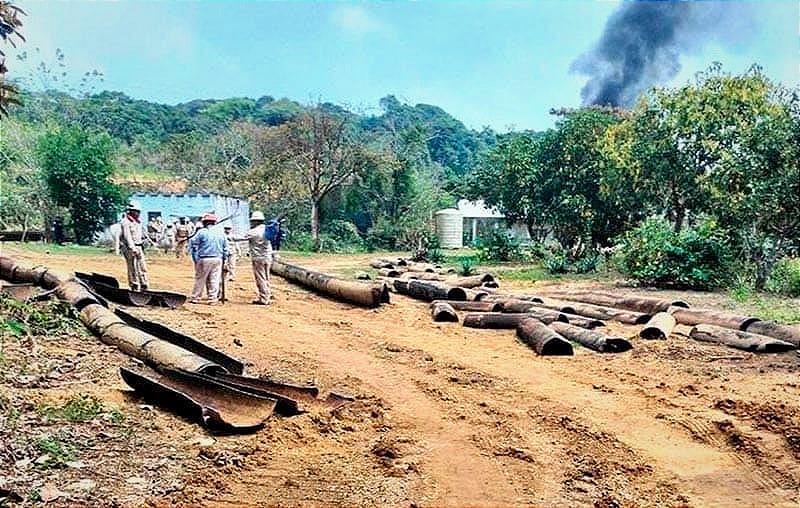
659 327
442 312
381 263
693 317
739 339
472 281
422 276
429 290
290 397
184 341
542 339
218 407
344 290
499 320
790 334
642 304
389 272
472 306
591 339
597 311
475 295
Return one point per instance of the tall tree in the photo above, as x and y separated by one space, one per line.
324 152
77 168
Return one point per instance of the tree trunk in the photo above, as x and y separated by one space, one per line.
315 224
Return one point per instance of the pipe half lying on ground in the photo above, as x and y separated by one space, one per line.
442 312
218 407
659 327
693 317
739 339
366 295
591 339
542 339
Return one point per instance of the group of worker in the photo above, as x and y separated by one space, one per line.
214 252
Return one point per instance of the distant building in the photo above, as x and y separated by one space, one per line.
471 221
171 206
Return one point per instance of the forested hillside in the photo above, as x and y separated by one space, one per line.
384 176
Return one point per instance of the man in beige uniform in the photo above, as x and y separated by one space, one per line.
131 247
260 257
183 230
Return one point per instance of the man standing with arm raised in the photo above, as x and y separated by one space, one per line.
209 251
260 257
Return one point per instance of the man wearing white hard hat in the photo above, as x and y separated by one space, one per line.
209 249
131 246
260 257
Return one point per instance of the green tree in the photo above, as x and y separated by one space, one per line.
10 23
724 146
77 169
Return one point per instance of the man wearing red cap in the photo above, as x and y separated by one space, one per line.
209 251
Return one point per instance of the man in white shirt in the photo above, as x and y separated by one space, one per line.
131 247
260 258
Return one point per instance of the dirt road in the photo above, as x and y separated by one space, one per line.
448 415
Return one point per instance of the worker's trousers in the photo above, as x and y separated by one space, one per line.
207 274
261 268
137 269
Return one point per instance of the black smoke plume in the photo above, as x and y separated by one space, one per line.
643 41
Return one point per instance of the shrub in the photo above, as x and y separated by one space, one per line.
501 246
588 262
556 262
466 265
696 258
785 278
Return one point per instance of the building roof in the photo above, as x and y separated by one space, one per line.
180 194
478 210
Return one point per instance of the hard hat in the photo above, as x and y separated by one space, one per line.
134 205
257 216
209 217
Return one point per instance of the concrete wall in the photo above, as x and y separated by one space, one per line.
174 206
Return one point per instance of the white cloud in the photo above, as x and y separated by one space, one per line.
356 20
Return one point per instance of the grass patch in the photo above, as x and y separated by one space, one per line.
58 452
77 409
52 248
530 273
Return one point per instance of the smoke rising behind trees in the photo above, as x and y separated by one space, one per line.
643 42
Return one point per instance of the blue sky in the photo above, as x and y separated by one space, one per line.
501 64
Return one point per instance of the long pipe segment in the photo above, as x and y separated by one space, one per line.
790 334
470 306
344 290
597 311
110 328
642 304
739 339
429 290
693 317
472 281
591 339
659 327
499 320
542 339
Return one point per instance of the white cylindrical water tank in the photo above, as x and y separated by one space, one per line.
450 228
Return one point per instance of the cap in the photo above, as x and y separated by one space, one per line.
257 216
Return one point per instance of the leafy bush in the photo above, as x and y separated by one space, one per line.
785 278
501 246
429 248
556 262
466 265
588 262
697 257
343 232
